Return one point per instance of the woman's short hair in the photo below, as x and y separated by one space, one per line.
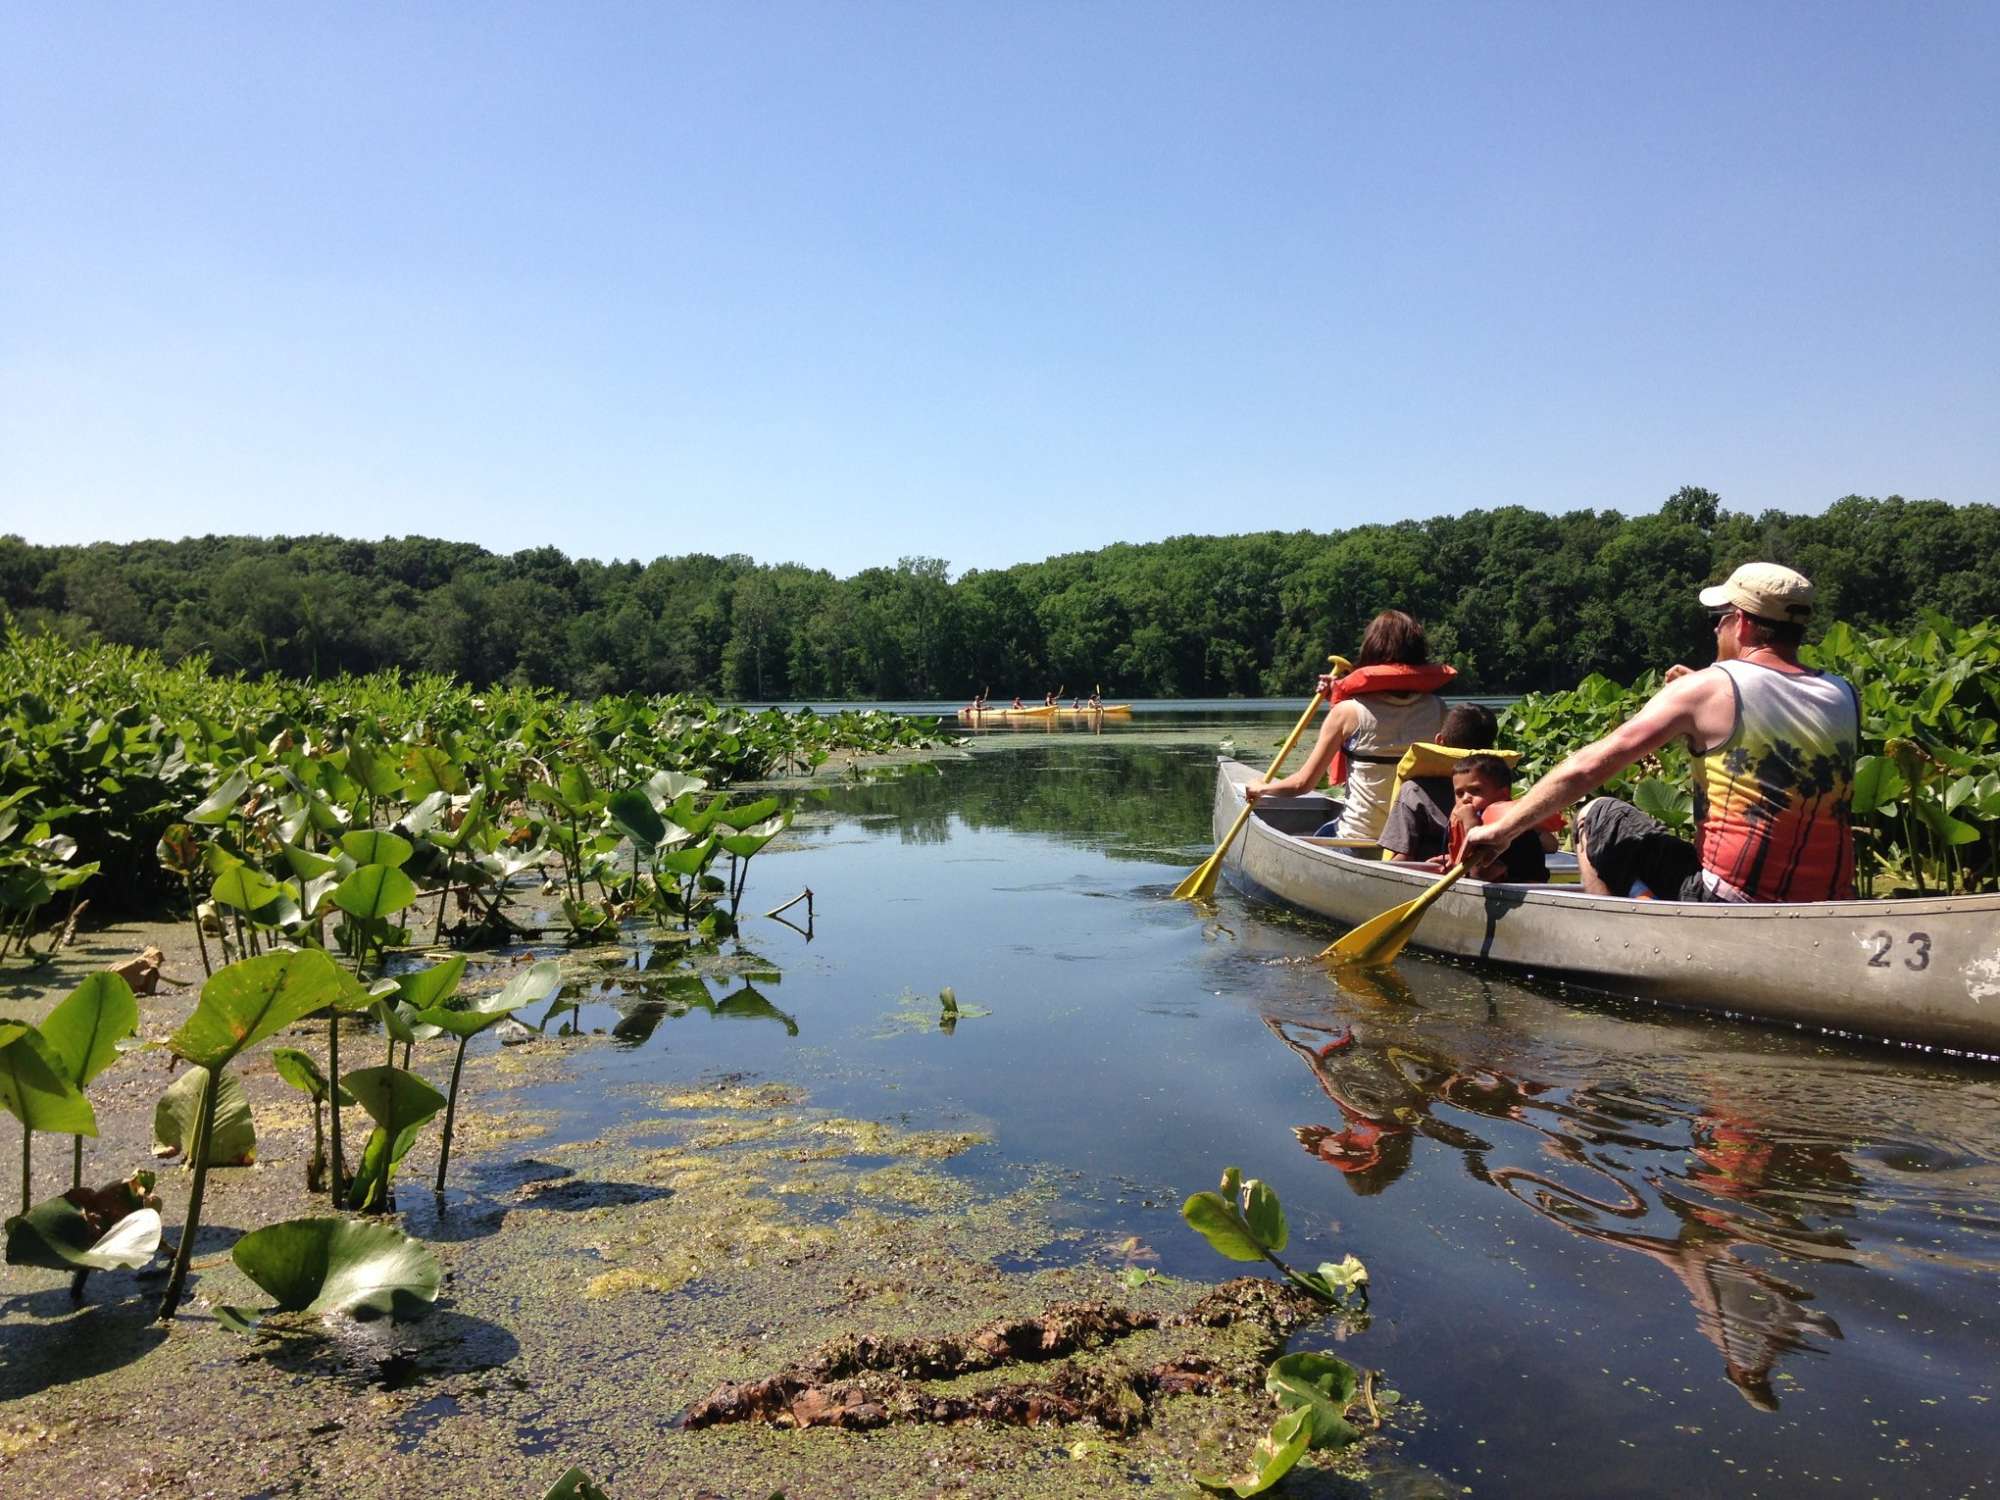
1393 636
1468 726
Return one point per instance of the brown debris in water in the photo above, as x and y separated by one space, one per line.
1064 1329
820 1391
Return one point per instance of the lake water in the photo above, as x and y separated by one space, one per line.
1613 1250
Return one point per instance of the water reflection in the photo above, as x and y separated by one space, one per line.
1690 1190
1129 801
643 997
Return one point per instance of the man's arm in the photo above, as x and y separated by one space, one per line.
1671 714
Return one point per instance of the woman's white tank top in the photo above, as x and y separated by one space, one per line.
1388 724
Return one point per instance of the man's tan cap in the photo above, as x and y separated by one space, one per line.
1767 590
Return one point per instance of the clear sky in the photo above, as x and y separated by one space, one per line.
845 281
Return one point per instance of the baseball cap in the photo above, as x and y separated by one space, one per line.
1766 590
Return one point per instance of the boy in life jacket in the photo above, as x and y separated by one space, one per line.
1421 814
1481 788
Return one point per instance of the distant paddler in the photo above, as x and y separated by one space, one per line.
1374 713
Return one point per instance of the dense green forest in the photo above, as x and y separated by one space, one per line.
1517 599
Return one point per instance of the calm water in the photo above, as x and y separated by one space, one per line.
1614 1250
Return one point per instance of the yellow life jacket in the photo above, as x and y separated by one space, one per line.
1425 759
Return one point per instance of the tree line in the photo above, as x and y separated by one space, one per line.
1517 599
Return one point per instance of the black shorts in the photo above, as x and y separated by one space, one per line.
1625 844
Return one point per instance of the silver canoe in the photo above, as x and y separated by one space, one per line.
1921 970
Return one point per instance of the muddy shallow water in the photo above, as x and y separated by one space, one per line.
1613 1249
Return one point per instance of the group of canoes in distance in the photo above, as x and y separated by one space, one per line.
1051 707
1756 915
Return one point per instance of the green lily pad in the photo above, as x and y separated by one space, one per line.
232 1140
56 1236
1272 1458
1321 1386
253 998
333 1266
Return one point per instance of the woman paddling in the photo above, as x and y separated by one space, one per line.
1374 713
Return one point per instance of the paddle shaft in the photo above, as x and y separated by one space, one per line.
1201 882
1277 765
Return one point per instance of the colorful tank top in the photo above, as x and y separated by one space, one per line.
1772 803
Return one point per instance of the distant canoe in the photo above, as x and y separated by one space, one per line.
1056 711
1920 970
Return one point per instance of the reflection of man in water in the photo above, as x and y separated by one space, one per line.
1387 1094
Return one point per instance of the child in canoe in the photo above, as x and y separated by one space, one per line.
1481 787
1421 814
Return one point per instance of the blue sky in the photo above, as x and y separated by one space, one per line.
836 283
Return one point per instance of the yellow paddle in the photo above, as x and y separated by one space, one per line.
1200 885
1377 941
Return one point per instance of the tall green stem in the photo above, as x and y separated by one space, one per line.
200 938
27 1164
185 1252
76 1162
450 1113
333 1175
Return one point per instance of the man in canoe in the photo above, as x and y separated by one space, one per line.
1374 713
1773 744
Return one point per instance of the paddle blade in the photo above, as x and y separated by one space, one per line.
1200 883
1377 941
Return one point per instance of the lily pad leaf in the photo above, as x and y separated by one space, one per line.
667 786
33 1089
374 891
232 1140
575 1485
1272 1458
1336 1283
429 769
84 1031
301 1070
423 988
1216 1220
244 888
376 846
1264 1214
222 799
536 982
740 818
749 841
306 864
255 997
58 1236
1320 1385
335 1266
632 810
401 1104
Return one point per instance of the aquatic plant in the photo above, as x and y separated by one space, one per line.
232 1130
466 1021
1245 1221
401 1104
240 1005
300 1071
335 1267
576 1485
115 1227
34 1090
84 1032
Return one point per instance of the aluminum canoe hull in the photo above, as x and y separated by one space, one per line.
1924 970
